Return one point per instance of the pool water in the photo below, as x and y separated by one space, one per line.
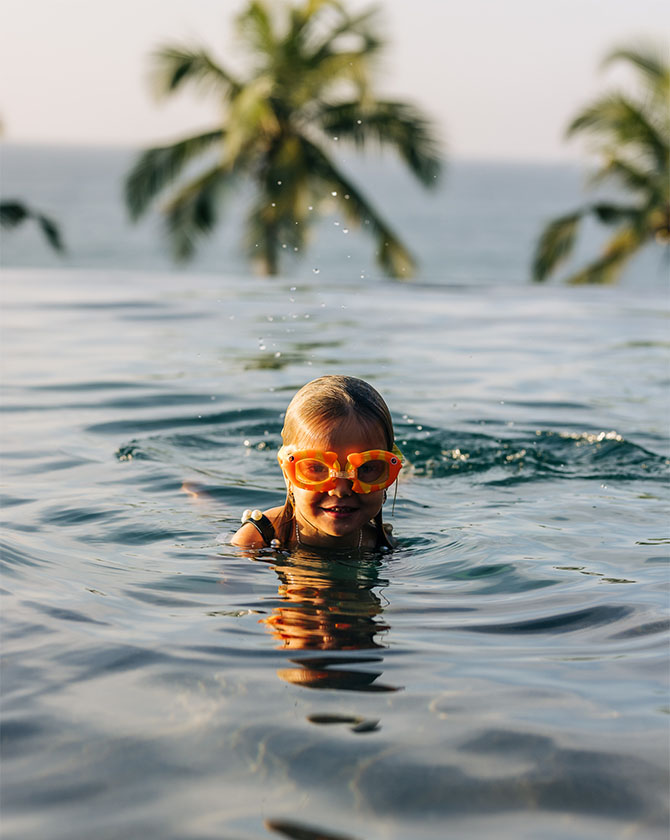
503 673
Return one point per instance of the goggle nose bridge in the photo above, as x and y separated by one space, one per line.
348 474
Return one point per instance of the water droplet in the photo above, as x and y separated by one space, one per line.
345 230
309 207
283 244
293 288
334 192
336 138
315 270
273 204
261 347
347 196
277 354
279 183
247 443
337 224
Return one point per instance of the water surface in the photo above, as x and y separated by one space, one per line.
503 672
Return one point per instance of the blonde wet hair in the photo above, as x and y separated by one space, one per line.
314 408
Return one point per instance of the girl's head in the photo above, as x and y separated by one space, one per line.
333 400
344 415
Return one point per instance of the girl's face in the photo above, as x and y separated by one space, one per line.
337 516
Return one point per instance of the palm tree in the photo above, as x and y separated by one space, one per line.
308 89
14 213
632 137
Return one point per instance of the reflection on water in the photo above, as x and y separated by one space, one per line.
330 604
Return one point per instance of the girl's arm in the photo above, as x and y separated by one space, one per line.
248 537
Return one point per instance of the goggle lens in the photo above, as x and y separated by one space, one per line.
311 471
373 472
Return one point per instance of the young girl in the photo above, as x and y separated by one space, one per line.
338 459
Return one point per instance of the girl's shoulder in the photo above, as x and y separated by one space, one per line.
248 535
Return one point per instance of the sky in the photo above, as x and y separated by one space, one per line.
501 78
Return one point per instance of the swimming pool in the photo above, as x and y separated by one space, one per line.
503 673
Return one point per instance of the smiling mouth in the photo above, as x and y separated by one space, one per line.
340 510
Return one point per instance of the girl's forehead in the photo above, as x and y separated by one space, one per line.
344 433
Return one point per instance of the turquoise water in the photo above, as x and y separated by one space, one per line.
503 673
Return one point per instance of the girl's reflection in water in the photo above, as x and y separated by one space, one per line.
330 604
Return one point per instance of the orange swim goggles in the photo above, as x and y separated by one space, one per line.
312 469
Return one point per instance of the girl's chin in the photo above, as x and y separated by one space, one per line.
339 523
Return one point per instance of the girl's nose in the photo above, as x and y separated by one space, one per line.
342 488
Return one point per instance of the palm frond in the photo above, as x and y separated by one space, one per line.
193 212
614 214
14 213
174 66
254 24
51 232
392 254
555 245
156 168
387 123
629 176
609 266
327 41
614 120
650 61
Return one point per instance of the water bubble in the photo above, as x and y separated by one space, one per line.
334 192
277 354
309 207
316 270
337 224
270 318
279 183
345 230
295 249
336 138
247 443
273 204
292 288
262 347
347 196
283 244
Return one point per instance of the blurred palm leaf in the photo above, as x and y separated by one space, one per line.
14 213
309 82
632 138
